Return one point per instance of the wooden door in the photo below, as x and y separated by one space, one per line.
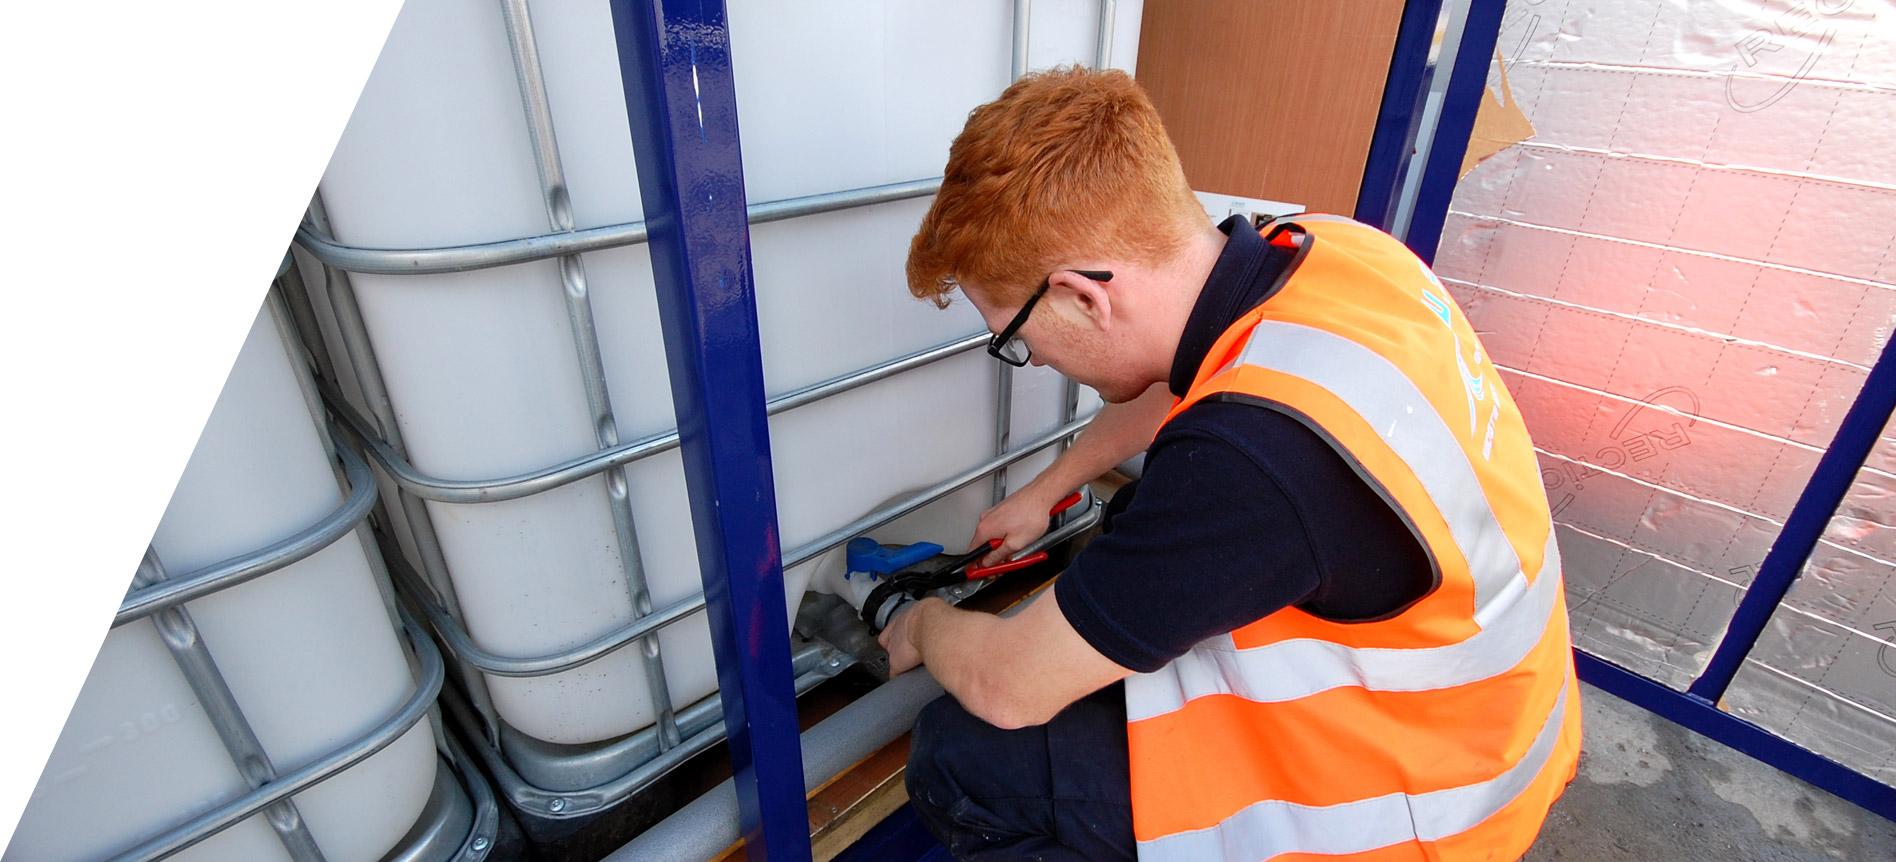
1270 98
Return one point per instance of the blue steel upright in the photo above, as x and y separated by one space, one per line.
1836 469
675 60
1405 92
1460 104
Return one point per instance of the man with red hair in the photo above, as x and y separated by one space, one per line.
1327 621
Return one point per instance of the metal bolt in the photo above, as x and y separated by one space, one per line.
836 661
479 844
556 805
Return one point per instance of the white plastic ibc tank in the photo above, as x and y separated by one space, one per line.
308 653
481 367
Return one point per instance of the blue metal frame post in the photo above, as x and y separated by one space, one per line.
675 61
1405 92
1457 122
1836 469
1697 707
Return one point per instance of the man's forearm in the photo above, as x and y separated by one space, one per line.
1011 672
1117 433
964 652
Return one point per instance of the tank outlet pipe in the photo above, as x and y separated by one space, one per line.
836 579
708 825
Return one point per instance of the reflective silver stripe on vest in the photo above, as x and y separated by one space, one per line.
1274 827
1390 403
1292 669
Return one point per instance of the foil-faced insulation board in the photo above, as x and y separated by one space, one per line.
1685 276
1824 672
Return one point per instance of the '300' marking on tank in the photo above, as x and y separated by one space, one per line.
144 724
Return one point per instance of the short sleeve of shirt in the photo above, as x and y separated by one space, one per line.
1207 544
1242 512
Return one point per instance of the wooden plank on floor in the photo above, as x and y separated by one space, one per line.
845 808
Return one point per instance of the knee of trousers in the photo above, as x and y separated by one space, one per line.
934 754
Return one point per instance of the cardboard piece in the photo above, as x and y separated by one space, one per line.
1499 123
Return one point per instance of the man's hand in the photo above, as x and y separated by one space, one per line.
902 639
1120 431
1017 521
1012 671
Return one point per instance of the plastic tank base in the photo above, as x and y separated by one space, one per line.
581 801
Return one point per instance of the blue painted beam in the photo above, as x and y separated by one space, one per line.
1810 515
675 60
1450 144
1703 717
1405 91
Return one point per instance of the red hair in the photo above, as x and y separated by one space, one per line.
1067 165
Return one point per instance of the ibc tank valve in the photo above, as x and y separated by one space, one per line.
913 571
867 556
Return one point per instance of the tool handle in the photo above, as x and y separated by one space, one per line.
971 557
976 573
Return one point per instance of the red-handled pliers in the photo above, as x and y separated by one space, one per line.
914 584
976 573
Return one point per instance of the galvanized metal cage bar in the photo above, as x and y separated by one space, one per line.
465 258
468 491
701 725
386 434
445 623
271 789
1102 59
559 210
285 785
186 645
1003 372
159 594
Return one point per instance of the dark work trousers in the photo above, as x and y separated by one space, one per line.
1059 791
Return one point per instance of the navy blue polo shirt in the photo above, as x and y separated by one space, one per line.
1241 512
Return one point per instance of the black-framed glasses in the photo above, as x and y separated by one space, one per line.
1006 344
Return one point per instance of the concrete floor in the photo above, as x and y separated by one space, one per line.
1649 789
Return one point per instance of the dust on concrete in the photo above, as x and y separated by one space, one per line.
1649 789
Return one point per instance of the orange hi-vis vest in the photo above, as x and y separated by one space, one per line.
1443 731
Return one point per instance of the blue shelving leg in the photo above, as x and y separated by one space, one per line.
675 60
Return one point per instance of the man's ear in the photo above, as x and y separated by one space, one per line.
1090 300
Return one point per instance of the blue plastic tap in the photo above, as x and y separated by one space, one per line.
874 558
